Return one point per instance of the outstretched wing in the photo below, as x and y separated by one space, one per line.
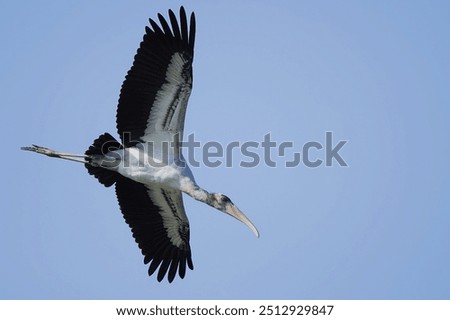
156 90
159 225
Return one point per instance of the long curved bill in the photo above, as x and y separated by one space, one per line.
234 211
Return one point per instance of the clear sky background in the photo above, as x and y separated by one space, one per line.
375 73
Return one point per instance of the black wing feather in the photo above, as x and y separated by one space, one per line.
192 35
184 26
165 26
175 27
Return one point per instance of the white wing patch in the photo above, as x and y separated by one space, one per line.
172 212
169 108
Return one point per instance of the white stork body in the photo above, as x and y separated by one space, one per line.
147 167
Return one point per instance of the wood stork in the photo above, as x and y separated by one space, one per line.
148 180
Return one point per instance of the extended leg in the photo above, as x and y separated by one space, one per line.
55 154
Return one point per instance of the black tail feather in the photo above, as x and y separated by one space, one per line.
101 146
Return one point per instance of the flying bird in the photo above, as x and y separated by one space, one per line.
147 167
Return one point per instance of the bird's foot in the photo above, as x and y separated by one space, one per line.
42 150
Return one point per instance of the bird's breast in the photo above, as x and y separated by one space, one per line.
142 167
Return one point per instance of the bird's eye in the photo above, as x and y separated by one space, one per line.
225 199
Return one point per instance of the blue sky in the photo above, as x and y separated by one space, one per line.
375 73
